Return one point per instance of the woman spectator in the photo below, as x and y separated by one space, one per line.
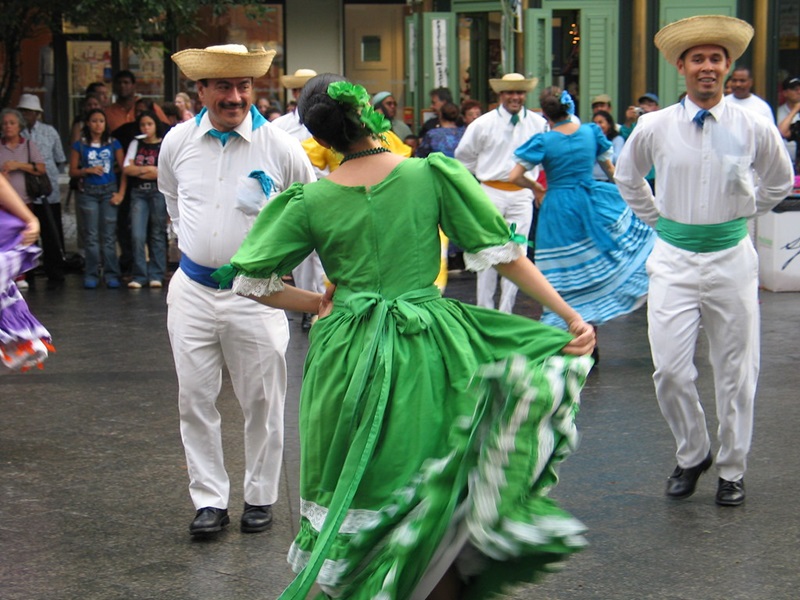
589 244
94 158
14 149
148 207
444 138
91 101
18 156
272 113
605 122
470 110
262 106
184 105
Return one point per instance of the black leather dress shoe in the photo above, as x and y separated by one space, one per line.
682 482
209 520
730 493
256 518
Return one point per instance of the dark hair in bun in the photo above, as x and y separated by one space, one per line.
550 101
330 120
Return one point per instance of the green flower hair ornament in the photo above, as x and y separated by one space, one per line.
358 97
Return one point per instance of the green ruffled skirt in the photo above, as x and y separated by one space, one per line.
431 428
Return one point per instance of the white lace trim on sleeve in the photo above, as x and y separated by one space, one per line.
250 286
489 257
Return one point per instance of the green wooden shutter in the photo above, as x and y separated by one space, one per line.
538 28
599 57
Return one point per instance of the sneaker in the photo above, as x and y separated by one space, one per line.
113 284
90 284
156 284
22 285
134 285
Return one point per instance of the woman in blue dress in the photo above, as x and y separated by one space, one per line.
589 244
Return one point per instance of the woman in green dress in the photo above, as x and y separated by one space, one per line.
430 430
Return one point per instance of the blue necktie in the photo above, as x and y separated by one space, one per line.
700 118
514 119
222 136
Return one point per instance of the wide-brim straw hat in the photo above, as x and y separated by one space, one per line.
220 62
705 30
513 82
298 80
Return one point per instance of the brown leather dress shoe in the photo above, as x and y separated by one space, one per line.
682 482
730 493
256 519
209 520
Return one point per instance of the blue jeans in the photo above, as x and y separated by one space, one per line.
99 219
148 226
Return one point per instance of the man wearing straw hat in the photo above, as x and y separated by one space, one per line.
217 171
290 122
309 274
703 268
487 150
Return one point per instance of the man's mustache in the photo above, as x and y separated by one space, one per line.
232 105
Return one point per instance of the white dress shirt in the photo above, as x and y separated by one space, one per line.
290 123
201 180
783 112
754 104
47 140
487 148
705 176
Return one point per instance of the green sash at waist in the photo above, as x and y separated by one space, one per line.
368 396
702 238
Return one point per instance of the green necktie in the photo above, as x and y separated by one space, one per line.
515 118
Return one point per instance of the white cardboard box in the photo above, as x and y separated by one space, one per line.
779 251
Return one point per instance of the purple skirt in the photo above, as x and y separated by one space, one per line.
24 341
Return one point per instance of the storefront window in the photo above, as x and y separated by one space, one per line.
147 64
88 62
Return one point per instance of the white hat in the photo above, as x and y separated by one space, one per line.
705 30
298 80
217 62
513 82
30 102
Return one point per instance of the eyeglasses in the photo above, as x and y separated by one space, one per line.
390 103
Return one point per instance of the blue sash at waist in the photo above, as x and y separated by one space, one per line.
199 273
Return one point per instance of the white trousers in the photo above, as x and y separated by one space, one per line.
209 328
309 274
718 290
516 207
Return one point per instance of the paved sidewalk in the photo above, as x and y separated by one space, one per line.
93 488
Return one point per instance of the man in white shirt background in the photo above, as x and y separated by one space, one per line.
309 274
717 167
791 106
741 93
290 122
216 172
487 150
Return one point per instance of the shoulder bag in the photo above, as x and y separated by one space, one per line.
36 186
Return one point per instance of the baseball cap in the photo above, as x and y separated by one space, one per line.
648 96
791 82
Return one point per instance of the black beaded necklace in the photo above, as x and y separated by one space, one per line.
368 152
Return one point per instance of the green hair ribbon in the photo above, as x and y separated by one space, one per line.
358 97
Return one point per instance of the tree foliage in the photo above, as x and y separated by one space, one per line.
127 21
